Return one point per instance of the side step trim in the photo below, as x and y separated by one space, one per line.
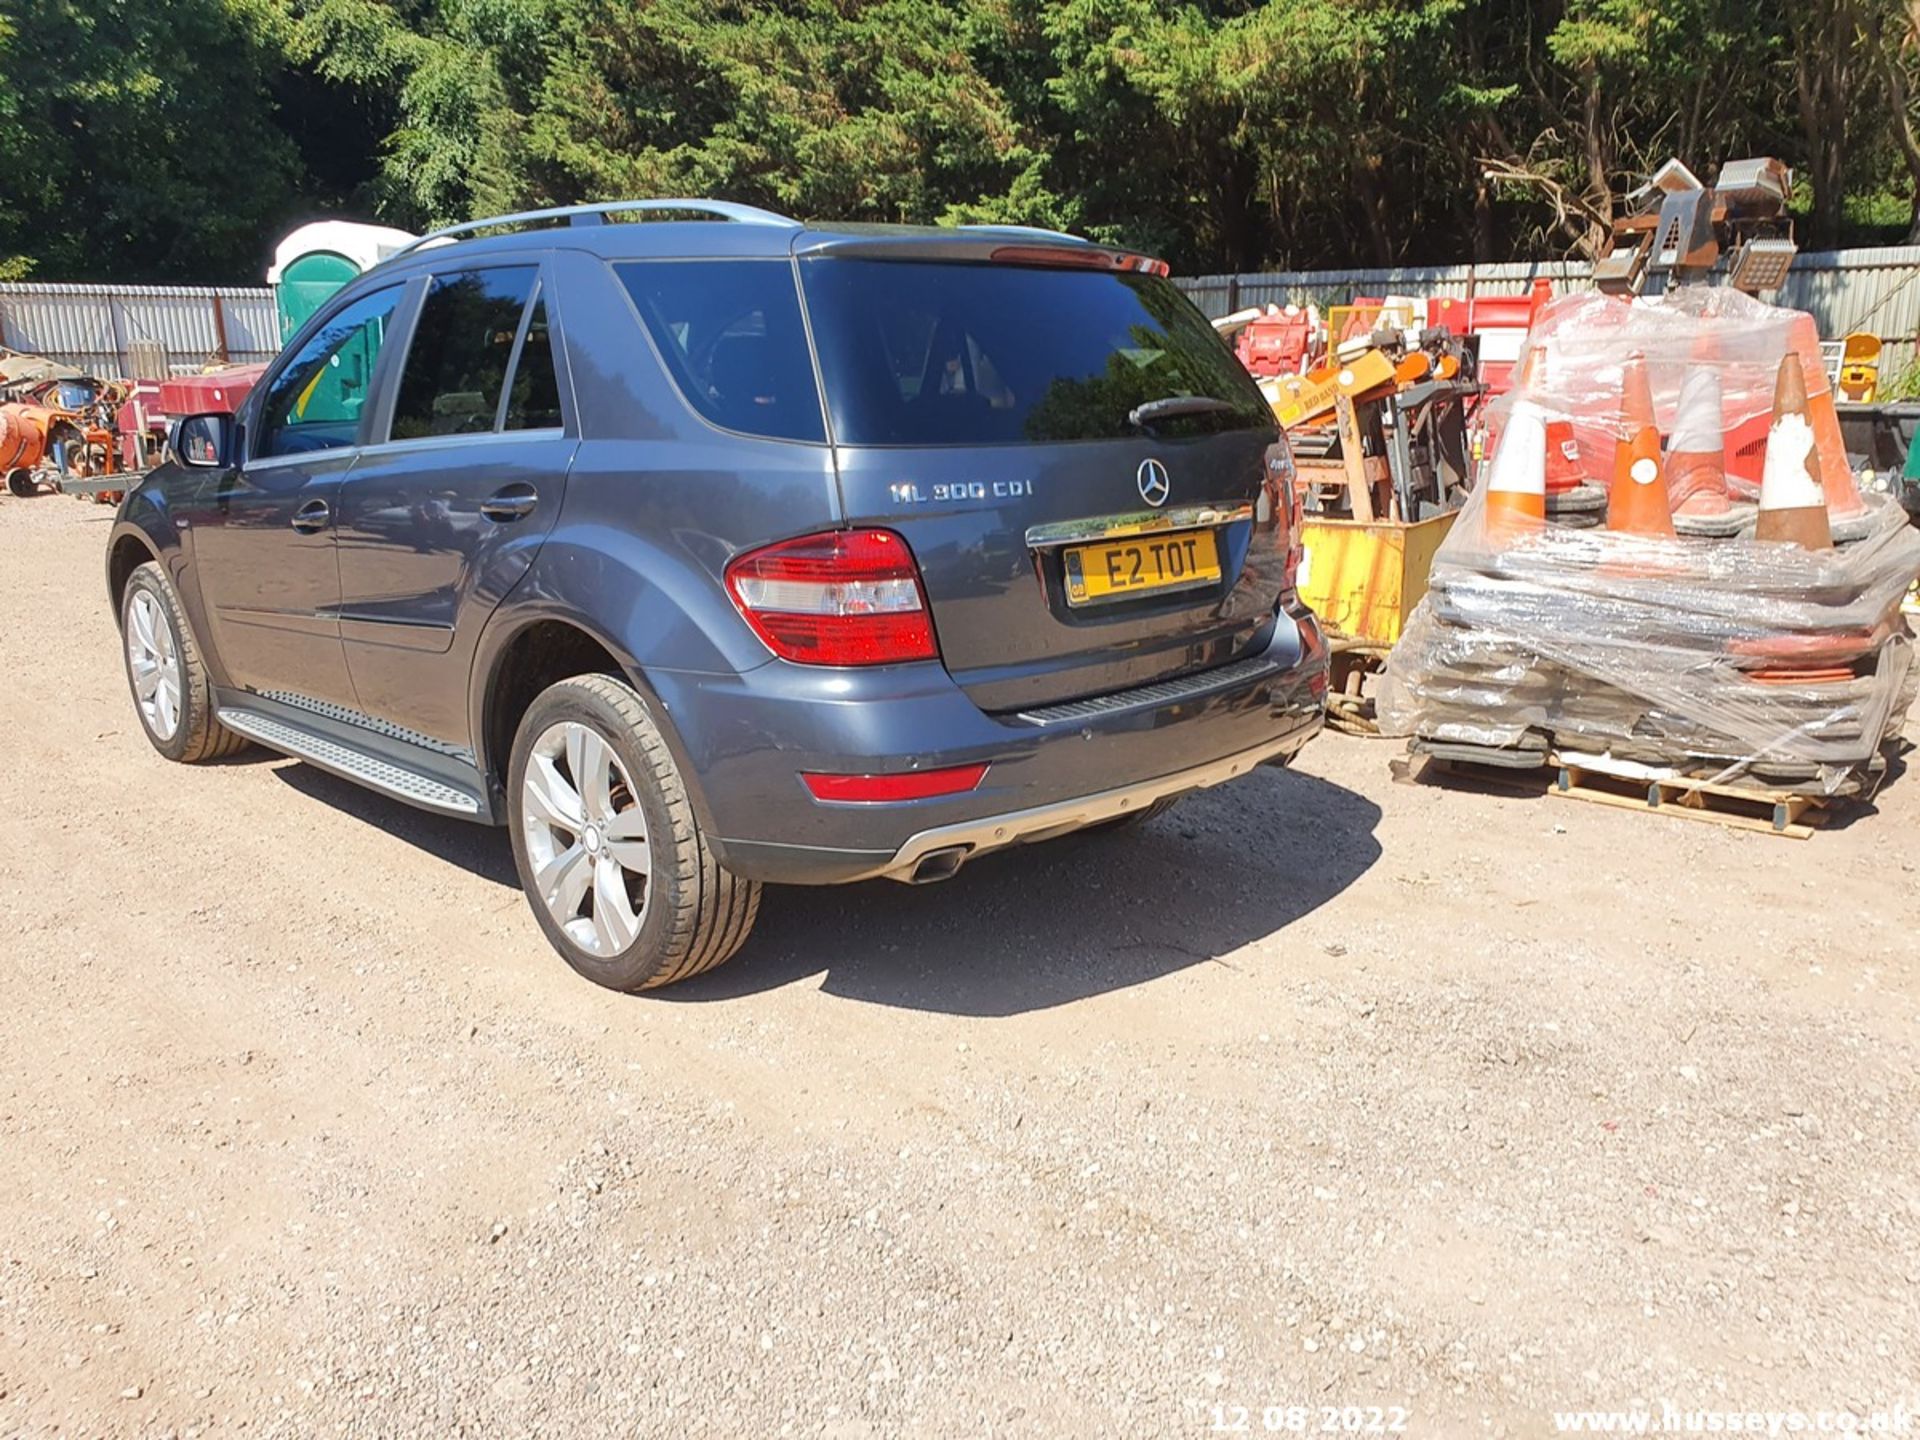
378 774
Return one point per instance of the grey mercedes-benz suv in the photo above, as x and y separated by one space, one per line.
722 549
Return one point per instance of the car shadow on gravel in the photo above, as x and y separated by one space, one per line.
480 849
1032 928
1022 930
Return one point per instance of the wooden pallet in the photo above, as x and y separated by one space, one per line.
1452 774
1772 813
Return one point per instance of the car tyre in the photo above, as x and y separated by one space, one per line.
172 692
613 859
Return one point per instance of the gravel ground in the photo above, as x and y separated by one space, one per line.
1319 1091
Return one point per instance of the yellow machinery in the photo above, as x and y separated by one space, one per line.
1364 578
1382 457
1860 367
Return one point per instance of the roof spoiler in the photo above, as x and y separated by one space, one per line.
1001 244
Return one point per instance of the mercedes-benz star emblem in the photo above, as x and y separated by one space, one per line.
1154 485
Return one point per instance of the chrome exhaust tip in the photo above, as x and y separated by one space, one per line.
937 865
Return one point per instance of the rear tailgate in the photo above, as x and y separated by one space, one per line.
982 410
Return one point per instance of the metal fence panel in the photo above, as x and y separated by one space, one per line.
94 327
1875 290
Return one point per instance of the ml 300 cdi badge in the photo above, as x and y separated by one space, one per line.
730 551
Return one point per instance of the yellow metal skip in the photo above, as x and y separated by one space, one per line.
1365 578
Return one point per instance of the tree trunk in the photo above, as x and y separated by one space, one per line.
1599 178
1234 208
1822 73
1482 222
1899 97
1373 206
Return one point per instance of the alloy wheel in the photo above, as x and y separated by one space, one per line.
586 836
154 662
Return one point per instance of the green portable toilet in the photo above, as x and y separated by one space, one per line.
316 260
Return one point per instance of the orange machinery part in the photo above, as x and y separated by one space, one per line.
23 435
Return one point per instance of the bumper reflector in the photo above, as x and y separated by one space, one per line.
909 785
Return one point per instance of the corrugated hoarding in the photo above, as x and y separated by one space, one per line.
1877 291
100 328
120 329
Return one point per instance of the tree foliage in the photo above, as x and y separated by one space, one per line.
175 141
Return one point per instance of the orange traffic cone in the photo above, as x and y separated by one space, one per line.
1517 477
1563 458
1531 375
1637 500
1793 506
1636 405
1844 501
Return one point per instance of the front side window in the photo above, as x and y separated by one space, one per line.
731 335
314 403
943 353
456 368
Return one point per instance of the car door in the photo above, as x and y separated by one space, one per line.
263 529
444 515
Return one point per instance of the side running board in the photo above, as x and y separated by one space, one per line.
351 764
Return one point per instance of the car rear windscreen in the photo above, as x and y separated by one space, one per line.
918 353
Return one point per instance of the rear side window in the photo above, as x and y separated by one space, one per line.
315 400
917 353
533 402
462 344
731 335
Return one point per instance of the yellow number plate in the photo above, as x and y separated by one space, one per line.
1141 565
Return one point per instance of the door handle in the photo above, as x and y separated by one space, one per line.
312 516
512 502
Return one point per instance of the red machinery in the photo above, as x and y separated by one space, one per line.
1276 343
154 405
217 390
1501 322
96 437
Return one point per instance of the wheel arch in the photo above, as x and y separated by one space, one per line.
142 531
520 656
127 551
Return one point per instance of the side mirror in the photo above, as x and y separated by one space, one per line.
204 442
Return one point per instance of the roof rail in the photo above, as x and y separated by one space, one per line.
595 214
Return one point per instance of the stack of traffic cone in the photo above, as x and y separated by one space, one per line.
1793 502
1697 461
1752 666
1637 500
1571 500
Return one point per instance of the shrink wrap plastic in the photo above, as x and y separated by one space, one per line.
1728 657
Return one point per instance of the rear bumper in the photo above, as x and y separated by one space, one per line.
749 737
937 853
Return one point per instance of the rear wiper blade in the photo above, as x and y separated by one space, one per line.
1176 405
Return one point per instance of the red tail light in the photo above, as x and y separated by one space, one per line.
842 597
909 785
